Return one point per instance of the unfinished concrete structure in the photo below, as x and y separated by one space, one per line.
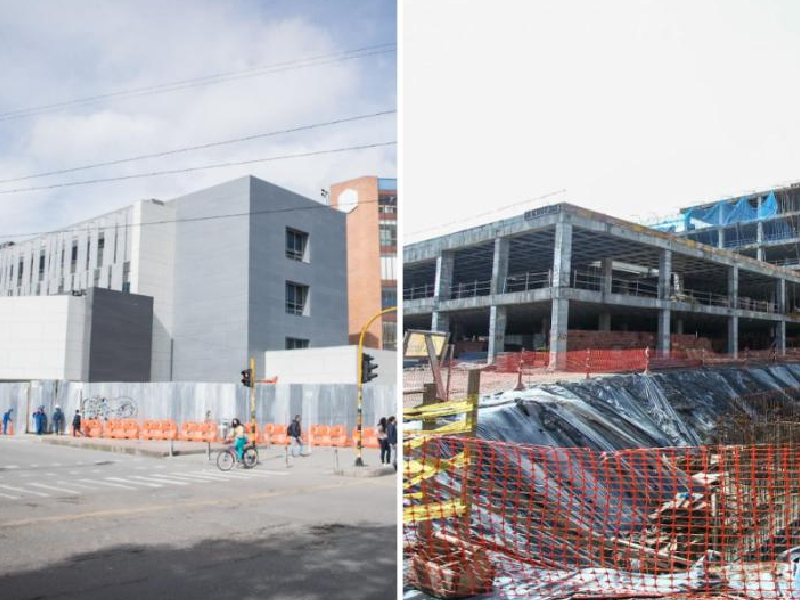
763 225
529 280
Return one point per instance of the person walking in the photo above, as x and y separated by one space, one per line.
295 433
7 418
76 424
58 421
386 451
37 421
391 438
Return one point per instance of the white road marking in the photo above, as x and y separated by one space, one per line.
227 475
127 487
134 482
24 491
55 489
159 479
82 485
34 466
9 496
56 464
199 478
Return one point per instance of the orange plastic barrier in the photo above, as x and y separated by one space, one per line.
369 437
92 428
196 431
319 435
338 436
520 521
248 428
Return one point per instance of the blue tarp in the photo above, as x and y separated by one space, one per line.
725 212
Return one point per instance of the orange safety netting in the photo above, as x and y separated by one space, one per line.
632 359
516 521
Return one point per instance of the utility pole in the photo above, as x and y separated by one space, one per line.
360 379
253 397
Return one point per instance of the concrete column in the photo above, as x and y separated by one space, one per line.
440 321
604 323
663 344
733 336
780 337
500 265
721 238
559 319
780 296
733 286
497 331
679 326
445 264
759 239
608 275
665 274
562 255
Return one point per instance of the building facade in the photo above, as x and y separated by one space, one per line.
371 207
559 275
224 288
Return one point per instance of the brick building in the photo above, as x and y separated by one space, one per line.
371 206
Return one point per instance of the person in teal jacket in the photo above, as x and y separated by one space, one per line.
239 437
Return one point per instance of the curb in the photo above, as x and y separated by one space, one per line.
133 450
365 471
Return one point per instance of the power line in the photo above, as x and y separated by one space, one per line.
200 146
320 60
190 219
489 213
198 168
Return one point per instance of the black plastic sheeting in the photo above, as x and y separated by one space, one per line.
673 408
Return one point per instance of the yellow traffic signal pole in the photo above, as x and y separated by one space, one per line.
359 362
253 398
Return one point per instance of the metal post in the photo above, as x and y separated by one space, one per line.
360 415
253 398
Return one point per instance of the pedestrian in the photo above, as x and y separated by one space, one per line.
76 424
58 420
295 433
37 422
391 438
7 418
386 451
43 417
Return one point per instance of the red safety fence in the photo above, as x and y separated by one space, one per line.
634 359
514 521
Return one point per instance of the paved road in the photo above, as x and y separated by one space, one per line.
87 524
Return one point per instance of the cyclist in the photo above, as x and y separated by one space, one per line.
240 438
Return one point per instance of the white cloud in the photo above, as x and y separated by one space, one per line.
51 51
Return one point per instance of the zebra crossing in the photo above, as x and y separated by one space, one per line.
153 477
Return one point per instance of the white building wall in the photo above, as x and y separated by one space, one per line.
334 364
41 337
151 274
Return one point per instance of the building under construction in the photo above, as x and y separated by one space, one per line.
763 225
565 278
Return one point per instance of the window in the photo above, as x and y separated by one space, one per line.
296 245
387 204
388 297
19 274
126 287
101 244
74 257
296 298
388 234
296 343
389 335
41 265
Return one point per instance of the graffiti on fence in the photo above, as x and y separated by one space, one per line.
100 407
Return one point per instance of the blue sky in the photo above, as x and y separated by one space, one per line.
52 51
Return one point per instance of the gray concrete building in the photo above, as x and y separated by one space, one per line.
233 271
536 279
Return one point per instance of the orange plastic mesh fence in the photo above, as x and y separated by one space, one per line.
515 521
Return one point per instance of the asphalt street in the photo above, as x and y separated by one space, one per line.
77 523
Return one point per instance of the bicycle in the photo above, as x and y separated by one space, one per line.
226 458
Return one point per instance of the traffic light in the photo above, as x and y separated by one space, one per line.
247 378
367 368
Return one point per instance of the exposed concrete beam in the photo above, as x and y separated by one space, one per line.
665 274
445 264
562 256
